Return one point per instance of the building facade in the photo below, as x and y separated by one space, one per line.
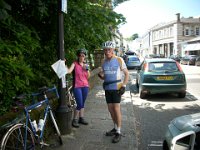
170 38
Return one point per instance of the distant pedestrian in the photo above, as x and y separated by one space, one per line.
80 72
114 86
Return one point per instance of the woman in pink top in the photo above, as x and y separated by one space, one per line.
80 72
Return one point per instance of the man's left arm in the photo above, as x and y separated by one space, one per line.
125 71
126 76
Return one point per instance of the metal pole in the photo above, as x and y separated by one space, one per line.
63 113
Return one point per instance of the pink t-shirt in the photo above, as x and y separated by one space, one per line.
80 76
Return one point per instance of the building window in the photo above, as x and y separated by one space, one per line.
171 32
197 30
186 31
160 34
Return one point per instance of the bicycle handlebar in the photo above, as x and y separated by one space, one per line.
45 91
42 98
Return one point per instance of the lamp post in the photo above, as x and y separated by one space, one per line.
63 112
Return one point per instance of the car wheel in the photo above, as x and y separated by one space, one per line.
181 94
142 95
165 146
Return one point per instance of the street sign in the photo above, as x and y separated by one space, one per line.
64 6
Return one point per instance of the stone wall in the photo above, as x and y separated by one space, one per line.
98 57
93 77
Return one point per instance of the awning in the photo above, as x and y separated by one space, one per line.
192 47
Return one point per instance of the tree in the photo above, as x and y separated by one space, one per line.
28 40
133 37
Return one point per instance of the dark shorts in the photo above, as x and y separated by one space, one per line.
112 96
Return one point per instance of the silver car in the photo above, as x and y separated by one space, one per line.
132 61
183 133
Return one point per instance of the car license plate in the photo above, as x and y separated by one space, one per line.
165 78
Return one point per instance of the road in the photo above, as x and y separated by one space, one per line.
152 115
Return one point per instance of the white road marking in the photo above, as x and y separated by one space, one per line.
155 144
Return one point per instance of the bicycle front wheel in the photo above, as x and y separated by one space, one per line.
14 139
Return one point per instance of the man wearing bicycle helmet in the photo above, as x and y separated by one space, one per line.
114 86
80 72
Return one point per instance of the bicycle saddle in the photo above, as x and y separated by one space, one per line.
43 89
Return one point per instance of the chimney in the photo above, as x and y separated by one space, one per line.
178 17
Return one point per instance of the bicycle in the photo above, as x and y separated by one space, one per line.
71 102
25 136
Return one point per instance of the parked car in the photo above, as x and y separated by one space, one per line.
128 53
133 61
160 75
197 62
150 56
154 56
188 60
183 133
176 58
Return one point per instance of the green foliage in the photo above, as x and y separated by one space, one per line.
89 25
3 9
133 37
117 2
29 40
16 46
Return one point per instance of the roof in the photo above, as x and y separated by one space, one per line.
189 20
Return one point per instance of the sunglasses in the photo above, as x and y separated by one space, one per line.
81 55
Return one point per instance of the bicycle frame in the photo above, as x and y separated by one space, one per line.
70 98
46 112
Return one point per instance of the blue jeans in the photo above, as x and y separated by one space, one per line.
80 95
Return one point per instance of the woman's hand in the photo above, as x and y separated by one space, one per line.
86 66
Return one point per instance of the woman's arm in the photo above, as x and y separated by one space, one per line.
71 68
88 74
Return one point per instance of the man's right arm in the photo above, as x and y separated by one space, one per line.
101 74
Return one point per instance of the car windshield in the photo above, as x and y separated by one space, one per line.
163 66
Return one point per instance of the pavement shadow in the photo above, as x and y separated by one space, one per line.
171 97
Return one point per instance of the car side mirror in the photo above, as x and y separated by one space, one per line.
184 140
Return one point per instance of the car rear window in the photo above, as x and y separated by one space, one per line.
133 59
163 66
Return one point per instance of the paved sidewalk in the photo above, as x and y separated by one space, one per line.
92 136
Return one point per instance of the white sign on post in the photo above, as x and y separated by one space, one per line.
60 68
64 6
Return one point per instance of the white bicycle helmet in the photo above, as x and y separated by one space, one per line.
108 44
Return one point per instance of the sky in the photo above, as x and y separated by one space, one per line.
141 15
